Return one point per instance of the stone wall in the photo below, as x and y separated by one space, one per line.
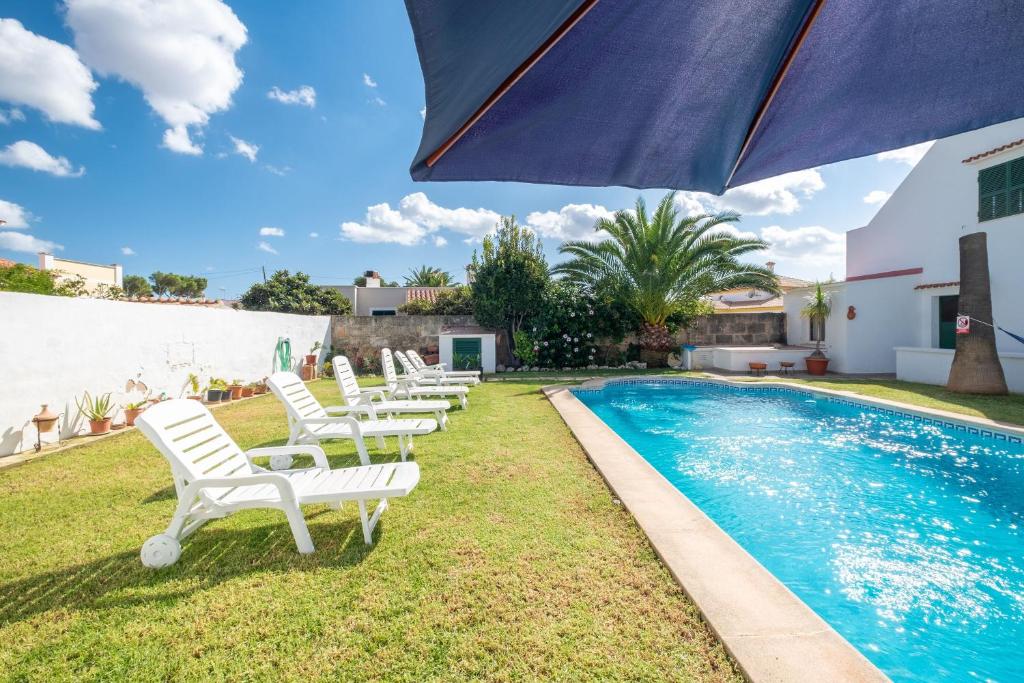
736 329
363 336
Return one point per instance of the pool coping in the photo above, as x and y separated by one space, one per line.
768 630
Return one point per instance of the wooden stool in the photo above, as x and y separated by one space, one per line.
786 367
757 369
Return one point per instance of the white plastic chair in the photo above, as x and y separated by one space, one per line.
213 478
426 378
408 387
374 403
310 422
467 377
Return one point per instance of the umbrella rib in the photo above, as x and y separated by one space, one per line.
513 78
780 75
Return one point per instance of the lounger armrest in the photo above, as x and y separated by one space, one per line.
278 481
319 457
343 410
340 419
372 395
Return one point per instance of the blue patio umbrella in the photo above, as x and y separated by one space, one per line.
702 94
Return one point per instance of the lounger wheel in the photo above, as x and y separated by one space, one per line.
281 462
160 551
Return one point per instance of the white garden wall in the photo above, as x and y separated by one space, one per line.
53 348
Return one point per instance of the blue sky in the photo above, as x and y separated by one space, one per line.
169 135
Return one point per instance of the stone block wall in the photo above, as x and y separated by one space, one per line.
736 329
364 335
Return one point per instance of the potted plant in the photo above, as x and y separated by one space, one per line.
817 309
261 386
193 384
313 353
235 388
248 390
97 411
133 410
216 390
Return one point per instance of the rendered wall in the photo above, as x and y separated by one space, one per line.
52 349
931 366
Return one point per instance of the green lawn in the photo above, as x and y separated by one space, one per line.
509 562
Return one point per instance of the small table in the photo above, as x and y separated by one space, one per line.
786 367
757 369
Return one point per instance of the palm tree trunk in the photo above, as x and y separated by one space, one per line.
976 368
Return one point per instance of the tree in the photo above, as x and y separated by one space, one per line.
286 293
663 265
165 283
817 309
136 285
510 279
24 278
454 301
428 276
976 368
173 284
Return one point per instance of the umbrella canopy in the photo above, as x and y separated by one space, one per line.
702 94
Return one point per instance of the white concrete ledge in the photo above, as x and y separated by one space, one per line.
770 632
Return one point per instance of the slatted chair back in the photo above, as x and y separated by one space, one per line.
298 402
346 379
387 363
406 364
417 362
194 444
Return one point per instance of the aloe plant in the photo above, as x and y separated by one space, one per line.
95 409
193 382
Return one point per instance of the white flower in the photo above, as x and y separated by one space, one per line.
576 349
589 335
545 343
572 314
575 339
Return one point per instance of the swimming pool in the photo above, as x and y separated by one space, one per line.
904 533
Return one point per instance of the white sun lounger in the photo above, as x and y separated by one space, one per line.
467 377
373 402
424 379
407 387
310 422
214 477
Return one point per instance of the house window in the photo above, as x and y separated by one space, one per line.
948 306
1001 190
383 311
817 330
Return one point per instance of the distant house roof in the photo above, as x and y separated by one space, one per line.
7 263
176 301
786 282
937 285
996 150
422 293
726 305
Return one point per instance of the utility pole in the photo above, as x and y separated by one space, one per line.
264 269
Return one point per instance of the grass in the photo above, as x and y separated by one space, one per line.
510 561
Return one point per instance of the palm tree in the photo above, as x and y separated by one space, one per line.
662 264
428 276
817 308
976 368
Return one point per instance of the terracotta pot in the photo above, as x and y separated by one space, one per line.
196 398
260 390
816 366
311 359
99 426
130 414
236 391
247 391
46 420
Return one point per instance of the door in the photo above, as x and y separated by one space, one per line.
466 353
948 306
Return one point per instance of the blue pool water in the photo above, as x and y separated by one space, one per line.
905 536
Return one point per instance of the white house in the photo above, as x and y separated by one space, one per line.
896 310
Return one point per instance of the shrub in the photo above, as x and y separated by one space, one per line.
454 301
286 293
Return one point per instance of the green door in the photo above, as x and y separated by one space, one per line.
948 306
466 354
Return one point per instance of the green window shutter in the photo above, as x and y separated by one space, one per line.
1015 195
992 192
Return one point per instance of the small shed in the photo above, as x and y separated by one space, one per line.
474 347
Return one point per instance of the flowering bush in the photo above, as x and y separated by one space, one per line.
567 329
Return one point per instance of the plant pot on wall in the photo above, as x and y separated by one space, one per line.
236 391
100 426
816 365
248 391
311 359
130 414
213 395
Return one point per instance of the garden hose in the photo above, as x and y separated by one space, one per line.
283 355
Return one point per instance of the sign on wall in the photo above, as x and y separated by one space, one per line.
963 324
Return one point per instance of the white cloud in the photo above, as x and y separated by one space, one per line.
181 55
812 251
384 224
368 81
265 246
906 155
20 241
304 96
13 215
11 115
877 197
439 241
571 222
781 194
314 235
271 232
423 113
27 154
278 170
127 251
46 75
378 101
473 222
248 150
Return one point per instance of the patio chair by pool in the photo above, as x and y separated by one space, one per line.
409 387
373 402
425 379
310 422
467 377
213 478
